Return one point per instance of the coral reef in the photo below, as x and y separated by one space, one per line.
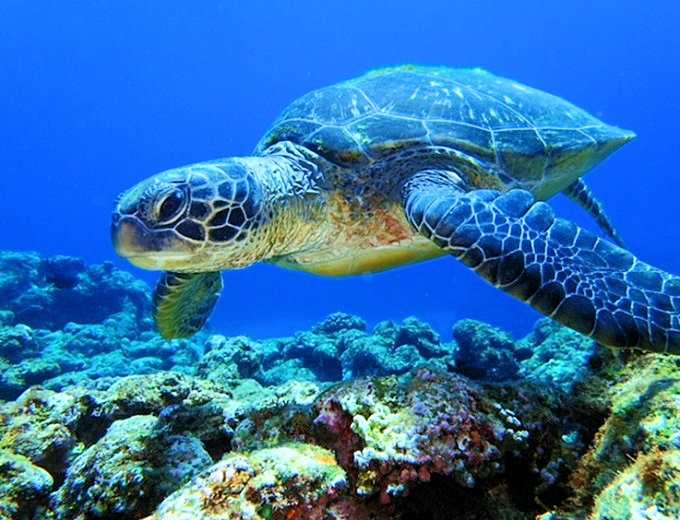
648 488
484 352
296 481
555 356
93 323
48 293
23 485
119 452
104 419
393 435
133 466
632 464
64 323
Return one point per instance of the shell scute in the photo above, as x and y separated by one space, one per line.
336 144
473 140
393 132
336 105
522 150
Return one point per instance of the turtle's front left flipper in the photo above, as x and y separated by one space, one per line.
561 270
183 302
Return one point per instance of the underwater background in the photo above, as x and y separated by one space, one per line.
96 96
420 393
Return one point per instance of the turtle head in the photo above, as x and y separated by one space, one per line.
203 217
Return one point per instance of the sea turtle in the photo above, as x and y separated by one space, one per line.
397 166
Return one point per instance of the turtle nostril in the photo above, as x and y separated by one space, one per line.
115 218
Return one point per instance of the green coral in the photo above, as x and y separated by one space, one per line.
142 395
23 486
41 426
17 342
484 352
129 470
51 429
230 358
559 358
338 322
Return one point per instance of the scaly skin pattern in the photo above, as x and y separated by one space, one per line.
559 269
360 225
221 214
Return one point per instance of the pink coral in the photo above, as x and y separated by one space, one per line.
390 436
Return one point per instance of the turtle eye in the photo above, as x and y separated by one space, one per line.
170 206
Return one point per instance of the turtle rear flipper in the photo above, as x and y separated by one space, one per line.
579 192
183 302
561 270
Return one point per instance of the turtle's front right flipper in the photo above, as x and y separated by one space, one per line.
561 270
183 302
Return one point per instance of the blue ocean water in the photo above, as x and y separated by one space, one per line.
95 96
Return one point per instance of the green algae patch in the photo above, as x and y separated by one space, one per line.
425 69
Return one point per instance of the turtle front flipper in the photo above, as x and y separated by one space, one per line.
183 302
561 270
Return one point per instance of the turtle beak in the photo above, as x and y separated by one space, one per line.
157 250
132 241
125 237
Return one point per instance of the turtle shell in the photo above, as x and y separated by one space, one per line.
516 131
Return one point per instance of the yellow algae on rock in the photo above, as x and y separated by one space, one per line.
294 481
649 488
632 469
